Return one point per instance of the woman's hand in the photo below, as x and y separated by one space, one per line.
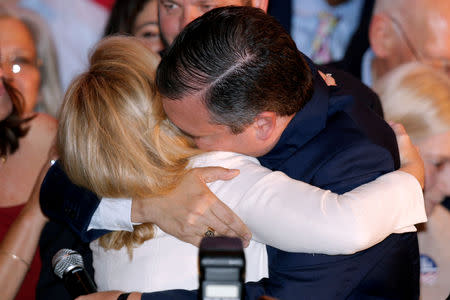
411 161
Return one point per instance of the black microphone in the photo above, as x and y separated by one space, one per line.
68 265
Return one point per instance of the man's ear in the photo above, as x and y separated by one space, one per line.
263 4
264 125
382 35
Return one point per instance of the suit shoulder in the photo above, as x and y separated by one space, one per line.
347 84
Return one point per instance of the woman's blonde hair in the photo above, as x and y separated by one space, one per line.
417 96
113 137
50 88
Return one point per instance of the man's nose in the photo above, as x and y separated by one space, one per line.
190 14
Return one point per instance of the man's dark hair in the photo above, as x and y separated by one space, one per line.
240 62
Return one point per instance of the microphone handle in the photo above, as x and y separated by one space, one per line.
78 282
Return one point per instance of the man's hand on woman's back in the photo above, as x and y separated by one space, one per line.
191 209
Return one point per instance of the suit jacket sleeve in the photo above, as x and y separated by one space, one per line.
54 237
67 203
349 169
253 290
171 294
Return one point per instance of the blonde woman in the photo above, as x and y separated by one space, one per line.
419 97
114 139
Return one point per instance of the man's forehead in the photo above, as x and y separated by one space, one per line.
189 114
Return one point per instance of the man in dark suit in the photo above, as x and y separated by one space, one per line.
262 97
294 123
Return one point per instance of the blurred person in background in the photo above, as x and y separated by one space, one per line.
175 15
29 59
25 143
75 26
138 18
418 96
402 31
322 29
335 31
29 77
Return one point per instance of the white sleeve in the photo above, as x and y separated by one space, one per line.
112 214
297 217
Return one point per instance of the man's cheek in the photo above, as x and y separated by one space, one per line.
170 27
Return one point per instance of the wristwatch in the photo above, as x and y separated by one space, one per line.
123 296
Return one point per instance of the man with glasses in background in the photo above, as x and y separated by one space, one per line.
405 30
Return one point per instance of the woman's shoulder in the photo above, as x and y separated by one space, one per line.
251 171
42 131
222 159
43 123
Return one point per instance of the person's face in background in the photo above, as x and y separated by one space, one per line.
146 26
436 47
174 15
19 60
423 36
5 102
435 151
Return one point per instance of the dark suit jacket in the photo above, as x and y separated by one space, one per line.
282 11
335 142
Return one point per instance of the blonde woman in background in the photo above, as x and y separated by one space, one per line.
115 140
418 96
